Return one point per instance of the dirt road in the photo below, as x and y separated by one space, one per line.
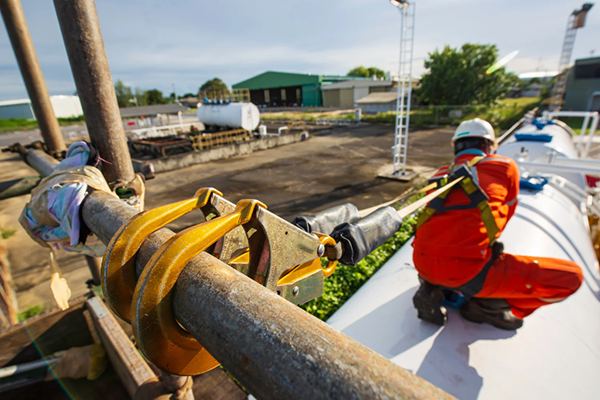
330 168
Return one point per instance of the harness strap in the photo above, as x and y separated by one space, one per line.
474 286
476 196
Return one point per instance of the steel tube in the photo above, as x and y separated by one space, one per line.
275 349
41 162
83 40
18 187
18 32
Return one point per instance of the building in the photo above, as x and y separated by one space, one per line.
155 115
532 90
345 94
583 86
281 89
378 102
16 109
64 107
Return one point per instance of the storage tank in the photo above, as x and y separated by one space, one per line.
232 115
539 142
555 355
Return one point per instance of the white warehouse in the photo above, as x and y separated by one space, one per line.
64 107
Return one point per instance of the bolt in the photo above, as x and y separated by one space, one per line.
321 250
295 291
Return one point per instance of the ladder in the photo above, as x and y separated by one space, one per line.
560 85
407 30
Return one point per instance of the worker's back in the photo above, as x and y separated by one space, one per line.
461 233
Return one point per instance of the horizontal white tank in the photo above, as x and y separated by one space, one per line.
554 356
232 115
561 145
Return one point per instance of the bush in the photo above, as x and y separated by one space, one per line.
346 280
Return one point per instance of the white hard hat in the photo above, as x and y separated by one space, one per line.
474 128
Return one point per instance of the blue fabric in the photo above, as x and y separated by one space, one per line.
77 154
477 152
533 137
533 183
453 299
540 123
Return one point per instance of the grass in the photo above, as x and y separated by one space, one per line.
502 115
574 123
6 233
30 312
346 280
19 124
307 116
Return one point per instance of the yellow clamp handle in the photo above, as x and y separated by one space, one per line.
118 264
155 328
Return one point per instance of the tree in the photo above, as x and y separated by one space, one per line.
185 96
124 94
458 76
214 85
366 72
155 96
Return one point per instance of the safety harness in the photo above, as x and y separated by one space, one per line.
477 199
470 186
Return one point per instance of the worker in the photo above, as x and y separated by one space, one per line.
456 247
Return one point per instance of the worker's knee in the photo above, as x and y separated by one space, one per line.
576 278
568 280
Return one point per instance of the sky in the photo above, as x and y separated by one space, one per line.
164 44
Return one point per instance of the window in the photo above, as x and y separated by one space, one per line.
299 96
283 95
587 71
267 96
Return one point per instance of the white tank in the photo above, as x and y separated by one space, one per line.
232 115
560 145
554 356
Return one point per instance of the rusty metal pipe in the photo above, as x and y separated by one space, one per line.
40 161
275 349
83 40
18 32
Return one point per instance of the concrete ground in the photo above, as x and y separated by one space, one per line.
331 168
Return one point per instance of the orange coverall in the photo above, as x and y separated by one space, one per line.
452 246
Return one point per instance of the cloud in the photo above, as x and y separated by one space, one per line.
153 43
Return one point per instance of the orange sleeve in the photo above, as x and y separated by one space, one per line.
513 189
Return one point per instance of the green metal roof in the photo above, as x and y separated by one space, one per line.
274 79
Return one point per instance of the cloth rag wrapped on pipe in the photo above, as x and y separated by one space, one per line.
52 217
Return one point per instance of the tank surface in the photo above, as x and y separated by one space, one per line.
232 115
555 355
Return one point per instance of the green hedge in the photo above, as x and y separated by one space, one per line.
502 115
346 280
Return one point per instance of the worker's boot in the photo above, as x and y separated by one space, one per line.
428 301
492 311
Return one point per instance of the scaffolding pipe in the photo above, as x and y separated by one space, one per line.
274 348
20 38
83 40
